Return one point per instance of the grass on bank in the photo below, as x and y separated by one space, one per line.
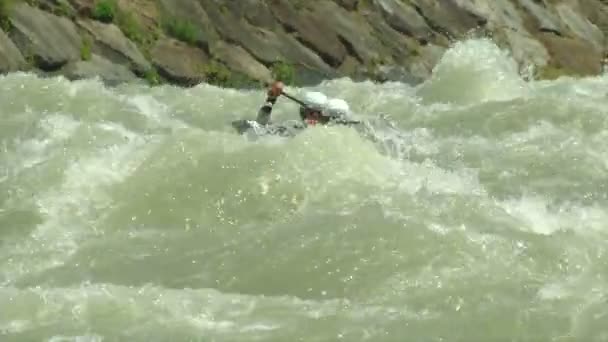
181 29
5 8
85 49
107 11
553 72
284 72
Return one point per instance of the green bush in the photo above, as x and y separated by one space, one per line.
284 72
216 73
130 27
5 23
105 11
152 77
85 49
551 72
181 29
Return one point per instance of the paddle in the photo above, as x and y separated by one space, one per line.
301 103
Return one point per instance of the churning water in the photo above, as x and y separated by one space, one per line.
480 213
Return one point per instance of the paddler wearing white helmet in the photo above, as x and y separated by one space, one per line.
315 107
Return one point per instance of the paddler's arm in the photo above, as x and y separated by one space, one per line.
271 98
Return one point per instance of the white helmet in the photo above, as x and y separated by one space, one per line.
315 100
337 108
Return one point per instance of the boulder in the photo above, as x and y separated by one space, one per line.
543 19
265 45
83 8
427 58
404 18
298 54
311 30
110 42
10 56
307 77
354 31
145 12
256 12
573 56
400 47
350 5
595 12
52 41
178 62
58 7
397 74
498 14
238 59
192 11
110 73
449 18
525 49
259 42
580 26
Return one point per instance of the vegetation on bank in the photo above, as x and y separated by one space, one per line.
85 49
5 23
284 72
181 30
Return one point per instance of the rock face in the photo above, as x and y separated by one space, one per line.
234 43
97 66
10 56
110 42
180 63
239 60
52 41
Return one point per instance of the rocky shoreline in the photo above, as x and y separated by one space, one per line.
244 43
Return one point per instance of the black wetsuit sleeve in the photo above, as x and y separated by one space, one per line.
265 111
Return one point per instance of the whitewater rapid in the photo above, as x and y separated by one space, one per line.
136 213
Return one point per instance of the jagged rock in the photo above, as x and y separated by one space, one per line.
50 40
499 14
10 56
525 49
145 12
423 64
397 74
574 56
58 7
449 18
311 30
297 53
193 12
110 73
595 12
238 59
404 18
355 32
83 7
349 67
401 47
350 5
265 45
256 12
307 77
259 42
580 26
544 20
180 63
110 42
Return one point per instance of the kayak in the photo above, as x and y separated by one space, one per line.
285 129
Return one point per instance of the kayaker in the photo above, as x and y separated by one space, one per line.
315 108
